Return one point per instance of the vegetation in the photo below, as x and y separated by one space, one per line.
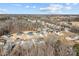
48 45
76 47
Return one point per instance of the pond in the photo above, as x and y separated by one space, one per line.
30 33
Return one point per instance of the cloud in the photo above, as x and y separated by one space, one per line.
52 8
34 7
27 6
68 3
2 10
71 3
55 8
75 3
30 6
18 5
68 8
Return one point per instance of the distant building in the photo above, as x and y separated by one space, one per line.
59 33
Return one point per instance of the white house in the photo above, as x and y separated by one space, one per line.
73 37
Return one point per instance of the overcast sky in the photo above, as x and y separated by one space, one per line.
39 8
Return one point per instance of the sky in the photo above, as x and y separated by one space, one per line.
39 8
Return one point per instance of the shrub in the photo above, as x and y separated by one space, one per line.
76 47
